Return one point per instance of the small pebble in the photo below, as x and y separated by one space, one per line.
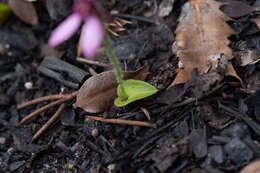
238 151
198 143
10 150
216 152
28 85
2 140
236 130
15 165
113 142
111 167
181 130
95 132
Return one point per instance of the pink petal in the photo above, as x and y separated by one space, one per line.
65 30
91 36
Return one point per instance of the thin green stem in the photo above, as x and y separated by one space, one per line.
115 63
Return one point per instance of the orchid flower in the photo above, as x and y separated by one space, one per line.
92 30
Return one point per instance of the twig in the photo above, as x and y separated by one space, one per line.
255 127
146 113
141 148
183 103
140 18
192 99
41 99
87 61
44 108
119 121
48 123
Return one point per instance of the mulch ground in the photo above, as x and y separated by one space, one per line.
217 132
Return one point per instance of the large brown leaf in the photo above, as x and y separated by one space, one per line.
98 93
201 36
253 167
25 11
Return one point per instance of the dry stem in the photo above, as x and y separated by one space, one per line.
119 121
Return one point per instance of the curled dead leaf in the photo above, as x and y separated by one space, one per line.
98 93
24 10
200 37
253 167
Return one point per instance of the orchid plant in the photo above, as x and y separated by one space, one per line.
91 38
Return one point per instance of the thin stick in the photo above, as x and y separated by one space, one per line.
41 99
140 18
87 61
146 113
49 122
44 108
119 121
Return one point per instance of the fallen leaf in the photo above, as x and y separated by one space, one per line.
201 37
98 93
25 11
253 167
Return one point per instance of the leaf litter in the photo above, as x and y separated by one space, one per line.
202 37
150 152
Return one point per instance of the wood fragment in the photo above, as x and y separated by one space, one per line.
126 122
48 123
62 71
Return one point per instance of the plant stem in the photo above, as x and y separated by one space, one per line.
115 63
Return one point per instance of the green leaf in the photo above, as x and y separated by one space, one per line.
70 166
135 90
4 7
5 11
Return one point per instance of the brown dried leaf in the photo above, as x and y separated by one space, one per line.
98 93
253 167
201 36
24 10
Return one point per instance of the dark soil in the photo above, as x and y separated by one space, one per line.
217 131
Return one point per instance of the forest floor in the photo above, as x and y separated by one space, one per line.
209 123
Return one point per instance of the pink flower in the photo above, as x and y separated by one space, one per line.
92 30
